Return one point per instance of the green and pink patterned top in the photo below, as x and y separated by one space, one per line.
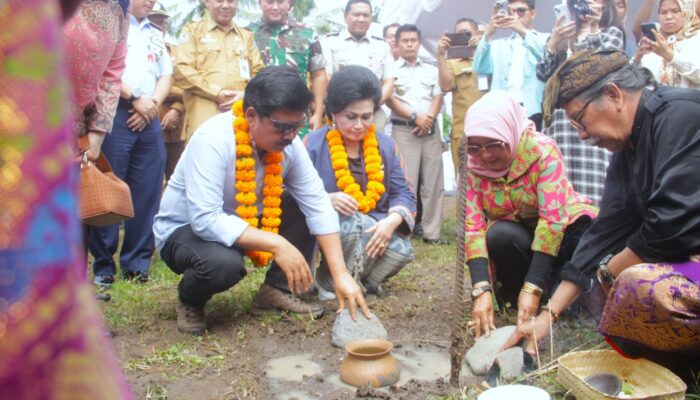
536 189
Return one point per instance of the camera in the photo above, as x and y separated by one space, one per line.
580 7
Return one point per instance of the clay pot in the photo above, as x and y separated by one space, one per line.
369 361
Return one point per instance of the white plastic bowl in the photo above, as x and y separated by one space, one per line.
512 392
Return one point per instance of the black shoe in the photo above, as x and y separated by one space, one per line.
418 230
104 281
440 242
103 296
139 277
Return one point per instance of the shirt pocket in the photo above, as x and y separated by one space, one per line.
209 53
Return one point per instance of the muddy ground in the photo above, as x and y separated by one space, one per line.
291 357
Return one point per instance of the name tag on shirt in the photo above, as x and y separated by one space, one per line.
482 83
245 68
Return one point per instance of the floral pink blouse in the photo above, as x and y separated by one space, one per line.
95 41
535 189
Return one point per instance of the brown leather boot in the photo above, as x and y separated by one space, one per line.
190 319
270 298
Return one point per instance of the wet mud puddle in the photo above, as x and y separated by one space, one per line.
300 377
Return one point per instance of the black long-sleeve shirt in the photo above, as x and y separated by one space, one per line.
651 200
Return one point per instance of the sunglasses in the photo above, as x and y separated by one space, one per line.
496 148
520 11
286 128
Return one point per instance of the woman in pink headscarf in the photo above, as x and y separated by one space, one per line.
523 217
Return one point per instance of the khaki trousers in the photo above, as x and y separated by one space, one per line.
423 160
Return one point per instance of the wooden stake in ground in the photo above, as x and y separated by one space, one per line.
459 308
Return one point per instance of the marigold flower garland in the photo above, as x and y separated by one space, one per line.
245 185
373 167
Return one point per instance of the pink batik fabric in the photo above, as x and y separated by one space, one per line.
535 189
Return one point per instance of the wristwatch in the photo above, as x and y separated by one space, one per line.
413 117
478 291
605 277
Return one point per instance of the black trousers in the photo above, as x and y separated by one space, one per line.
210 267
509 245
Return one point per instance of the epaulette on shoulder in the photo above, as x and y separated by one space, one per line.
377 38
333 34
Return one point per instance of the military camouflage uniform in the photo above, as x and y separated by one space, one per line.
291 44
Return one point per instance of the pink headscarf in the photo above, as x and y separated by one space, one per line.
498 116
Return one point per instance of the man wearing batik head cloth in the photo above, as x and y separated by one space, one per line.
644 247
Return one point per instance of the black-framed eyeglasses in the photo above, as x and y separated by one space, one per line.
494 148
576 119
286 128
520 11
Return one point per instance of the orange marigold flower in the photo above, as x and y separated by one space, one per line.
246 198
373 159
238 108
273 212
342 163
245 163
243 186
273 158
242 138
341 173
336 141
272 191
339 156
271 222
377 176
373 168
243 150
352 188
343 182
245 175
273 169
240 124
272 180
269 201
338 149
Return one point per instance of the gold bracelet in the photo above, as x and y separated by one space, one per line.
532 289
552 313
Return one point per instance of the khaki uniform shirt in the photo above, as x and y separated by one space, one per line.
416 86
209 59
371 51
465 92
173 102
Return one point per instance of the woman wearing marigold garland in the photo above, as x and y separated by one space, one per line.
363 173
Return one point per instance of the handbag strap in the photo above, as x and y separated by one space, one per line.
101 163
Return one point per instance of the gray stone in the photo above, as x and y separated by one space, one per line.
346 330
510 362
483 353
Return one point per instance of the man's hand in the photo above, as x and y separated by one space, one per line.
294 266
528 304
343 203
147 107
136 121
443 44
381 234
170 119
482 314
316 121
226 98
346 289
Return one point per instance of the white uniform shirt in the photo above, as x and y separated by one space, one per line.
370 51
147 58
416 86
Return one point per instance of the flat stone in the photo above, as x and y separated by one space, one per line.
346 330
483 353
510 362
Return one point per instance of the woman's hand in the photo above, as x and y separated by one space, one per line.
592 20
643 48
381 234
482 315
343 203
532 331
661 47
562 32
528 304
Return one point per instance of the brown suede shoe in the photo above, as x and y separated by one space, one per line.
190 319
270 298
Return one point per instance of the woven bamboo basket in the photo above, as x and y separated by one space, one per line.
647 379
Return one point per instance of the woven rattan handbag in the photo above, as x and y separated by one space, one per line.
104 198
